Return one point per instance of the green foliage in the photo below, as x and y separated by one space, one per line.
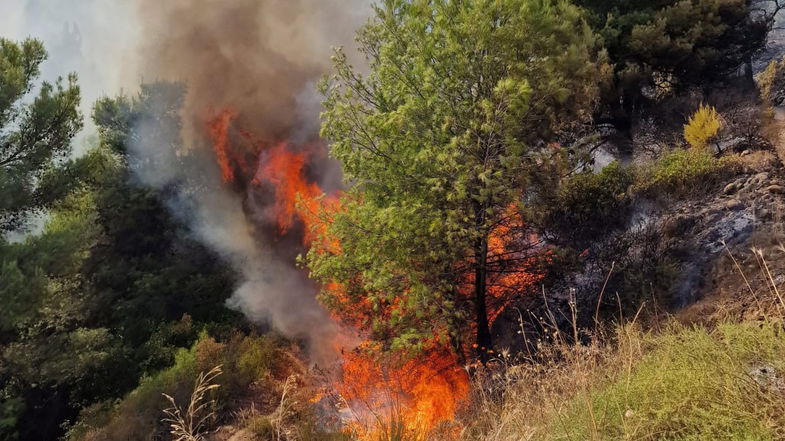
37 274
586 206
147 271
35 132
138 415
684 173
11 408
258 358
440 140
703 127
692 384
667 44
110 290
771 83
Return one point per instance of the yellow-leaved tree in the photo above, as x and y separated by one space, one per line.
703 128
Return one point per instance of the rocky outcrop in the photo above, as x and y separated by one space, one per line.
698 231
690 235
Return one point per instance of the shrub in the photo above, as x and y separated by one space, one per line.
258 358
771 83
587 205
703 127
261 427
683 173
245 359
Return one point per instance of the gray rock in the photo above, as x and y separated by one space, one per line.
759 179
731 188
767 377
733 205
775 189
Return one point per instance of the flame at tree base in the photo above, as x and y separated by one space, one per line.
414 397
379 392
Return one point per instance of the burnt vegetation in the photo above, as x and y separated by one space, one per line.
557 220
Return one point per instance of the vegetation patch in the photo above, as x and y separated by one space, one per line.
588 204
693 385
680 384
245 360
684 173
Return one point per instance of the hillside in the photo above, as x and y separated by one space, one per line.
323 220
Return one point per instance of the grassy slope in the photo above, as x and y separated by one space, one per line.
681 383
722 379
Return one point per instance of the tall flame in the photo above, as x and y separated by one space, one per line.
420 393
423 392
218 130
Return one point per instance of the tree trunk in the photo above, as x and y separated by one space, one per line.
484 339
748 73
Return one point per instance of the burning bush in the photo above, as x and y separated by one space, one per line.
430 232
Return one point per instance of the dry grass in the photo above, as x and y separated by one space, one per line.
679 384
189 424
517 400
745 284
723 380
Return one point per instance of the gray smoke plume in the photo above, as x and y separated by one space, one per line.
261 59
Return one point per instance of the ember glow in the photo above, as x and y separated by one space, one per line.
420 393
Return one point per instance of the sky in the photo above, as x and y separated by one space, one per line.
105 62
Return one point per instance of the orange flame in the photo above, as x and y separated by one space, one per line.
514 266
421 393
294 195
218 130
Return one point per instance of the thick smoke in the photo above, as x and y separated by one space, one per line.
260 59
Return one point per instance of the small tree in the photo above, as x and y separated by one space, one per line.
35 132
703 128
443 141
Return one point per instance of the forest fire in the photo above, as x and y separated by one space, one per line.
380 390
415 396
424 391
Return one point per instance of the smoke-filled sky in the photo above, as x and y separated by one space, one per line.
259 58
113 45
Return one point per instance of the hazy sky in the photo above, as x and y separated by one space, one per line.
95 38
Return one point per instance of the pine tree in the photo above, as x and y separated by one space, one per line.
442 141
35 132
